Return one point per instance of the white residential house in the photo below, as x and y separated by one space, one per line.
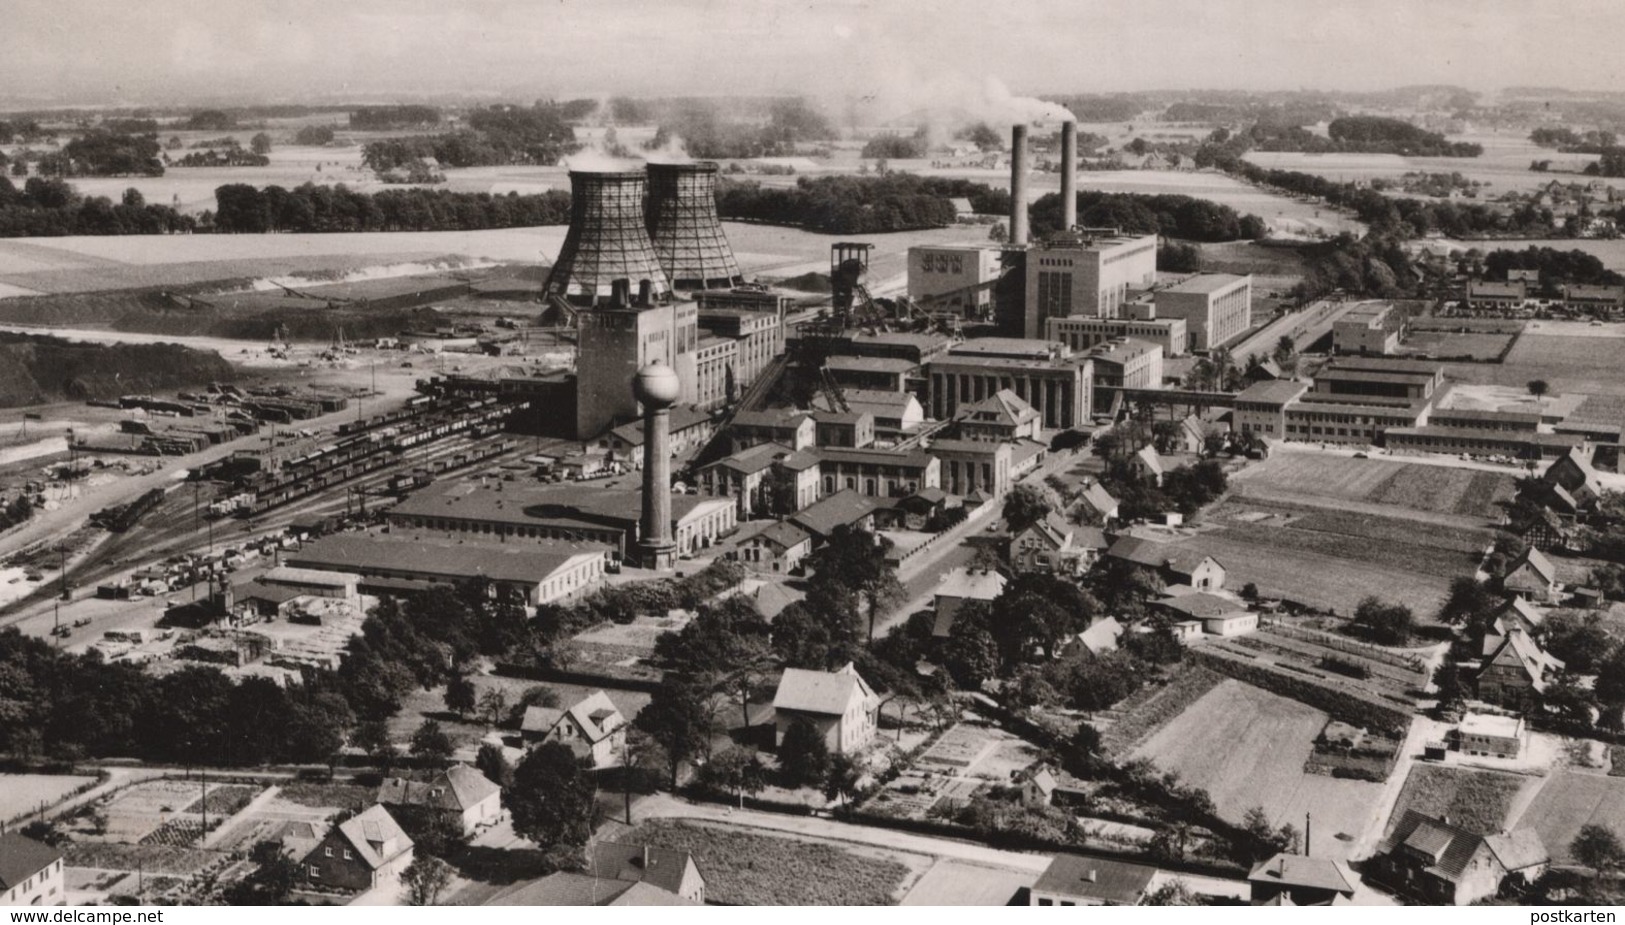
594 728
839 705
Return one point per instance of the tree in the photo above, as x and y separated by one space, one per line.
431 742
855 560
1387 624
260 143
553 800
425 879
1468 602
971 654
372 737
841 780
1081 755
1024 506
491 762
274 877
803 755
1538 388
680 717
1174 893
1598 848
1447 682
493 706
460 695
734 769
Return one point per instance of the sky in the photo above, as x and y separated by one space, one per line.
155 52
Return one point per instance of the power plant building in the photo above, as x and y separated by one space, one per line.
1124 364
1060 389
1086 272
949 270
1081 332
1216 307
617 341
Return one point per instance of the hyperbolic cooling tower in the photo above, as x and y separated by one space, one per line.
688 238
607 240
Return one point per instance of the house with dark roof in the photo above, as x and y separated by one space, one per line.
779 546
998 418
460 794
1072 880
1437 862
1174 565
364 852
593 727
845 508
1301 881
839 705
1533 576
1517 671
1055 547
30 873
616 874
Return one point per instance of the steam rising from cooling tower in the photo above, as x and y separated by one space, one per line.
683 223
608 239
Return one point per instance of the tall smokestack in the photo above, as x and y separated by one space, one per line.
1069 174
1018 184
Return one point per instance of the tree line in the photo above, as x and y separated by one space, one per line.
49 207
857 205
1360 135
105 154
496 136
243 209
1138 213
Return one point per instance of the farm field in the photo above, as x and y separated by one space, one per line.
957 883
750 867
90 263
1450 344
25 793
1569 800
1275 544
1477 800
1404 488
1569 362
1504 165
1247 748
1149 709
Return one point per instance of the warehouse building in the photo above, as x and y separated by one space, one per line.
539 573
1217 308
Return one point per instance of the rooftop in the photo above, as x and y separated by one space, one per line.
871 364
1490 724
822 692
537 505
1205 283
971 584
22 857
520 562
1095 878
841 509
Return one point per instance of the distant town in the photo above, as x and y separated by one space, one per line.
1179 499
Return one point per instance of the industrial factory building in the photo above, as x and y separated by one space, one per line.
953 277
1058 389
1216 307
1086 272
1124 364
540 572
1080 332
515 513
618 340
1371 328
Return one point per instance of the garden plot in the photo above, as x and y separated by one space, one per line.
755 868
1247 747
1568 800
1477 800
